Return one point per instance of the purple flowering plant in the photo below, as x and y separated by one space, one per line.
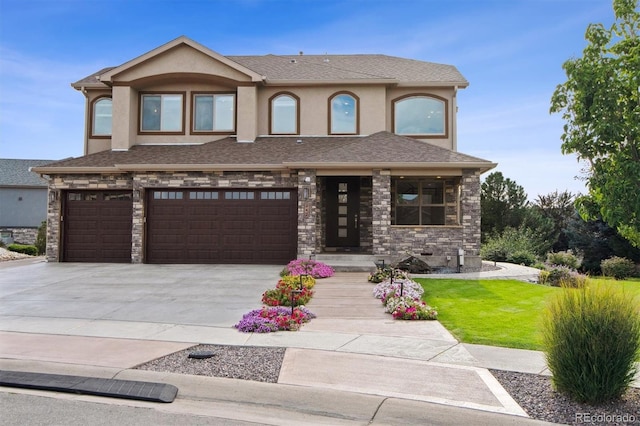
274 318
308 267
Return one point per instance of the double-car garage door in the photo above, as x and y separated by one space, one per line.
196 226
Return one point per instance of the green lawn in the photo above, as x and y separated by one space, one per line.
497 312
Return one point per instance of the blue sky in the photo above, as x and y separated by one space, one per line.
511 51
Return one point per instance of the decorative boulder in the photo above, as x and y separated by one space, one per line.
413 265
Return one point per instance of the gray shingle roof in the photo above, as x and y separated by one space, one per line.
16 173
277 152
349 67
310 68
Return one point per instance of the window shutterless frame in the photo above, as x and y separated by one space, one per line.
101 118
213 113
161 113
344 114
420 115
284 114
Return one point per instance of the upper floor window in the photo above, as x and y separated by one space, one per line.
343 114
162 113
101 118
284 114
214 112
420 115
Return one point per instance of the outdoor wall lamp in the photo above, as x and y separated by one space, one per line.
136 195
53 195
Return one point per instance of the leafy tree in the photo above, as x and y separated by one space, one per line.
503 203
600 103
559 208
595 241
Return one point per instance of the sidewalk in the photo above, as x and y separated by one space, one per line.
353 362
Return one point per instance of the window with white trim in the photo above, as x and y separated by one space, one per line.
162 113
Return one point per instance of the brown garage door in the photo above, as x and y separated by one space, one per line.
221 226
97 226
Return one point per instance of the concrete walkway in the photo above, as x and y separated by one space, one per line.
353 364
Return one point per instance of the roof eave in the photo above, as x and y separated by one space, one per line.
75 170
484 166
200 167
459 84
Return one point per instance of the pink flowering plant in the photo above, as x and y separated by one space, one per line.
308 267
403 299
278 318
413 309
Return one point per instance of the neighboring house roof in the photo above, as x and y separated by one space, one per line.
17 173
380 150
278 69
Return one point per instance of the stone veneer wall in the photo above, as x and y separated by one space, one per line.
308 199
23 235
381 212
438 241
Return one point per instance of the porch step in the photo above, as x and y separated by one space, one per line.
345 262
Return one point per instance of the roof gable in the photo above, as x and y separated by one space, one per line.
181 55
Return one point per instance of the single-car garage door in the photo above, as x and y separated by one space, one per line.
221 226
97 226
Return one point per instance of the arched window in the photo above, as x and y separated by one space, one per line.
420 115
284 114
101 117
343 114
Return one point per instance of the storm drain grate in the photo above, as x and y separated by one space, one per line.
127 389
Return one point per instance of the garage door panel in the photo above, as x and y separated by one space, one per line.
245 229
97 226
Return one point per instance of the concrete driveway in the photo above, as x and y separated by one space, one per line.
206 295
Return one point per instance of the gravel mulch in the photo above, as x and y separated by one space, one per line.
532 392
536 396
260 364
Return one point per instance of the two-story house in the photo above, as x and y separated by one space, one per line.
195 157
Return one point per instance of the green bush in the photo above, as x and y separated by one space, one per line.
522 257
25 249
564 258
561 276
513 244
591 339
41 238
618 268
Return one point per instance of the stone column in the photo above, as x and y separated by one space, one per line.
471 214
54 204
307 213
381 206
137 221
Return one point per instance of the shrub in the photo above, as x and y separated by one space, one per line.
591 338
498 248
561 276
25 249
564 258
41 238
522 257
618 267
